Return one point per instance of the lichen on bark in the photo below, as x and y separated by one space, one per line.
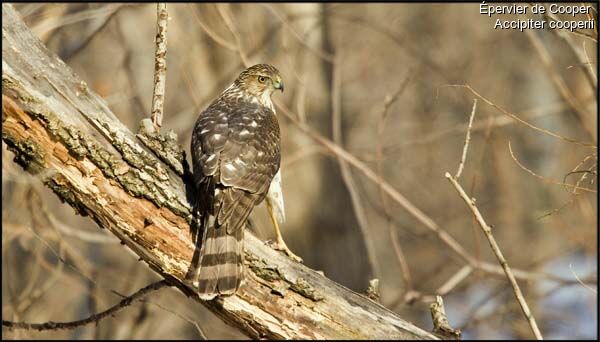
166 147
27 153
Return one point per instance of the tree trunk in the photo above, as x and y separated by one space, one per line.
65 134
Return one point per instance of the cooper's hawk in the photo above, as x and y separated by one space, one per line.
235 155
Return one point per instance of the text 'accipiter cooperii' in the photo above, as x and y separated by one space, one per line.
235 155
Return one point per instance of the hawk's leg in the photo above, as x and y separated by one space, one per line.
280 244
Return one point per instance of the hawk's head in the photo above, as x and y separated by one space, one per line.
260 81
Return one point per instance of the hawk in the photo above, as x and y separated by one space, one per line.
235 156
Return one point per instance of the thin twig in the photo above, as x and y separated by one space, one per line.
322 54
83 43
180 316
514 116
498 121
411 296
399 40
453 281
556 210
303 153
404 268
487 230
225 14
583 172
31 9
574 192
44 26
93 318
544 179
590 69
491 119
160 65
301 97
80 234
41 290
361 217
549 16
559 81
580 55
467 140
581 282
212 34
480 310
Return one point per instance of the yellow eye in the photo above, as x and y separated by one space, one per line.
262 79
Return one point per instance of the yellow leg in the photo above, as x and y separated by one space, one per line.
280 245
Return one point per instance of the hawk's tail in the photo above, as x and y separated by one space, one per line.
221 264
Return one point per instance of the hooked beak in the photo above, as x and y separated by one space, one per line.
279 85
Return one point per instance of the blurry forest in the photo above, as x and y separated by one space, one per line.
389 73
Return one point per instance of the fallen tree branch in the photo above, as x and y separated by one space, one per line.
65 134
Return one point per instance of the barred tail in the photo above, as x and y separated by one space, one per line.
219 266
221 262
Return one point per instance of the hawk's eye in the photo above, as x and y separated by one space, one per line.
262 79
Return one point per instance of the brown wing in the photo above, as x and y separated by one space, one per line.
235 154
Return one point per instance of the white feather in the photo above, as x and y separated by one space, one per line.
275 195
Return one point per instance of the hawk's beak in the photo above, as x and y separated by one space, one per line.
279 85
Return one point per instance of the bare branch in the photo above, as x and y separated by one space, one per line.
98 27
487 230
552 17
320 53
453 281
545 179
95 318
493 122
160 65
43 27
501 260
225 13
212 34
560 83
515 117
581 282
467 140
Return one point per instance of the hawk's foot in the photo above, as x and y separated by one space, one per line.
281 246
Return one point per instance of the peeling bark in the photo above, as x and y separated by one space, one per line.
65 134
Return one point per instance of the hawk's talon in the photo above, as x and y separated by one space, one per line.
281 246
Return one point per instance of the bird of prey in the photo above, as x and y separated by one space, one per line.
235 156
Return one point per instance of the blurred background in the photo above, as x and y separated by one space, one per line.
386 70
